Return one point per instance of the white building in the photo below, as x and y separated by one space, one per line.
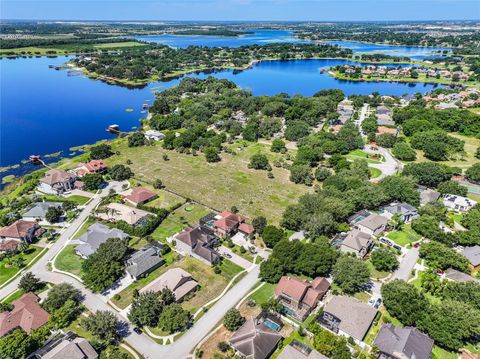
458 203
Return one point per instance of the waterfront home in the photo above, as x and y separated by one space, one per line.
26 314
66 345
406 211
145 260
357 242
298 297
254 340
458 203
140 195
473 255
297 350
179 281
154 135
95 235
402 343
57 181
119 212
21 230
94 166
39 211
374 224
198 242
348 316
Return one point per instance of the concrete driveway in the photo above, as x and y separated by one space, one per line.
242 262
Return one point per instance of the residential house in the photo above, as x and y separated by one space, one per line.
299 297
402 343
358 216
374 224
427 195
97 234
385 120
26 314
457 276
140 195
179 281
66 346
154 135
94 166
21 230
445 105
57 182
357 242
458 203
198 242
227 224
254 340
119 212
39 211
9 245
297 350
145 260
473 255
384 110
406 211
297 236
348 316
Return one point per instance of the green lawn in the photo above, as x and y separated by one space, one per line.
7 271
363 296
386 317
375 273
374 172
404 236
263 294
439 353
218 185
79 200
68 261
418 284
118 44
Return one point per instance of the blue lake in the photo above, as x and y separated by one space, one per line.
45 111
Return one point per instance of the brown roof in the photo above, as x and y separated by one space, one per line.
193 235
18 229
55 176
140 195
228 221
255 340
302 291
26 314
9 245
246 228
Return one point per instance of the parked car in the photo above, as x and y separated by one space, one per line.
377 303
227 255
396 246
386 241
137 330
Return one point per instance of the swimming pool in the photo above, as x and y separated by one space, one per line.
272 325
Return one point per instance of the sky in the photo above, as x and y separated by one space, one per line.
295 10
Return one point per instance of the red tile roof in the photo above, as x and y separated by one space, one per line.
228 221
302 291
26 314
140 195
18 229
9 245
246 228
92 166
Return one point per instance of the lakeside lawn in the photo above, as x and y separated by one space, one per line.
68 261
406 235
7 271
218 185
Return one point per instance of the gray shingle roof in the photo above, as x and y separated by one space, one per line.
40 209
143 261
409 340
357 239
97 234
355 316
472 254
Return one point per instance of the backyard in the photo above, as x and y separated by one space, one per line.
406 235
218 185
7 265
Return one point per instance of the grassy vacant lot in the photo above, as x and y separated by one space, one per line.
404 236
188 214
68 261
7 271
218 185
263 294
463 162
78 200
119 44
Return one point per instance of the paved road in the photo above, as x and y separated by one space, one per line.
388 167
406 265
361 117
